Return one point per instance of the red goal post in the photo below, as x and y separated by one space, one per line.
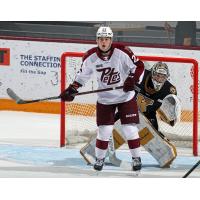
143 58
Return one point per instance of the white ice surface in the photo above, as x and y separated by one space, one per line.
29 147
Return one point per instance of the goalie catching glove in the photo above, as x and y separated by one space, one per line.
170 110
70 93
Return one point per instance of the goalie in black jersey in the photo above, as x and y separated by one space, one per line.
152 90
154 95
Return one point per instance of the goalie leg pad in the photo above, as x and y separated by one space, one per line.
118 139
160 148
88 151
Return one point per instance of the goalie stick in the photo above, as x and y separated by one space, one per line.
19 100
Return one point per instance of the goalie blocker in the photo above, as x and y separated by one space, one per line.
153 141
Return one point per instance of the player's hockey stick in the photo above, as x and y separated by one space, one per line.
19 100
191 170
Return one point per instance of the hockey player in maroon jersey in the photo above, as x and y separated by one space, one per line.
114 65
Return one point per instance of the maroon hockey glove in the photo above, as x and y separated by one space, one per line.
70 93
129 83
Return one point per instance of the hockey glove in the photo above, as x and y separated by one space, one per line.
70 93
129 83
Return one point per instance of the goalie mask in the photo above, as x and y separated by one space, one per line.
159 73
170 110
104 31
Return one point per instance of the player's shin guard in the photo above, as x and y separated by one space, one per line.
100 151
134 146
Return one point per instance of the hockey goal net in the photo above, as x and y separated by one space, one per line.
78 117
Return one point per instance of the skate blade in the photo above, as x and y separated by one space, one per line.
96 172
125 165
137 173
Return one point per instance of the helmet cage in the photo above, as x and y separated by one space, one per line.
160 73
160 68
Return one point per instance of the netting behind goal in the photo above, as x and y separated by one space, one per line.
78 122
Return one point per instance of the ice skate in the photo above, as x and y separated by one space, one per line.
136 164
99 164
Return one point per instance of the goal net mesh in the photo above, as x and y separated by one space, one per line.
80 121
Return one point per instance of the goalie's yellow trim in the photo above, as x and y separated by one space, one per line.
118 139
162 116
145 136
175 154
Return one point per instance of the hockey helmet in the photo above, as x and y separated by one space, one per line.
104 31
159 73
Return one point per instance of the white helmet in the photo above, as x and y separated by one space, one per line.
104 31
160 72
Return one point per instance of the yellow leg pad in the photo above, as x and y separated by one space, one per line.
145 136
118 139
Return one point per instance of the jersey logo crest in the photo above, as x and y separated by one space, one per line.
109 75
143 102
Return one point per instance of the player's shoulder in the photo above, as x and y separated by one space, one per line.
123 48
89 53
